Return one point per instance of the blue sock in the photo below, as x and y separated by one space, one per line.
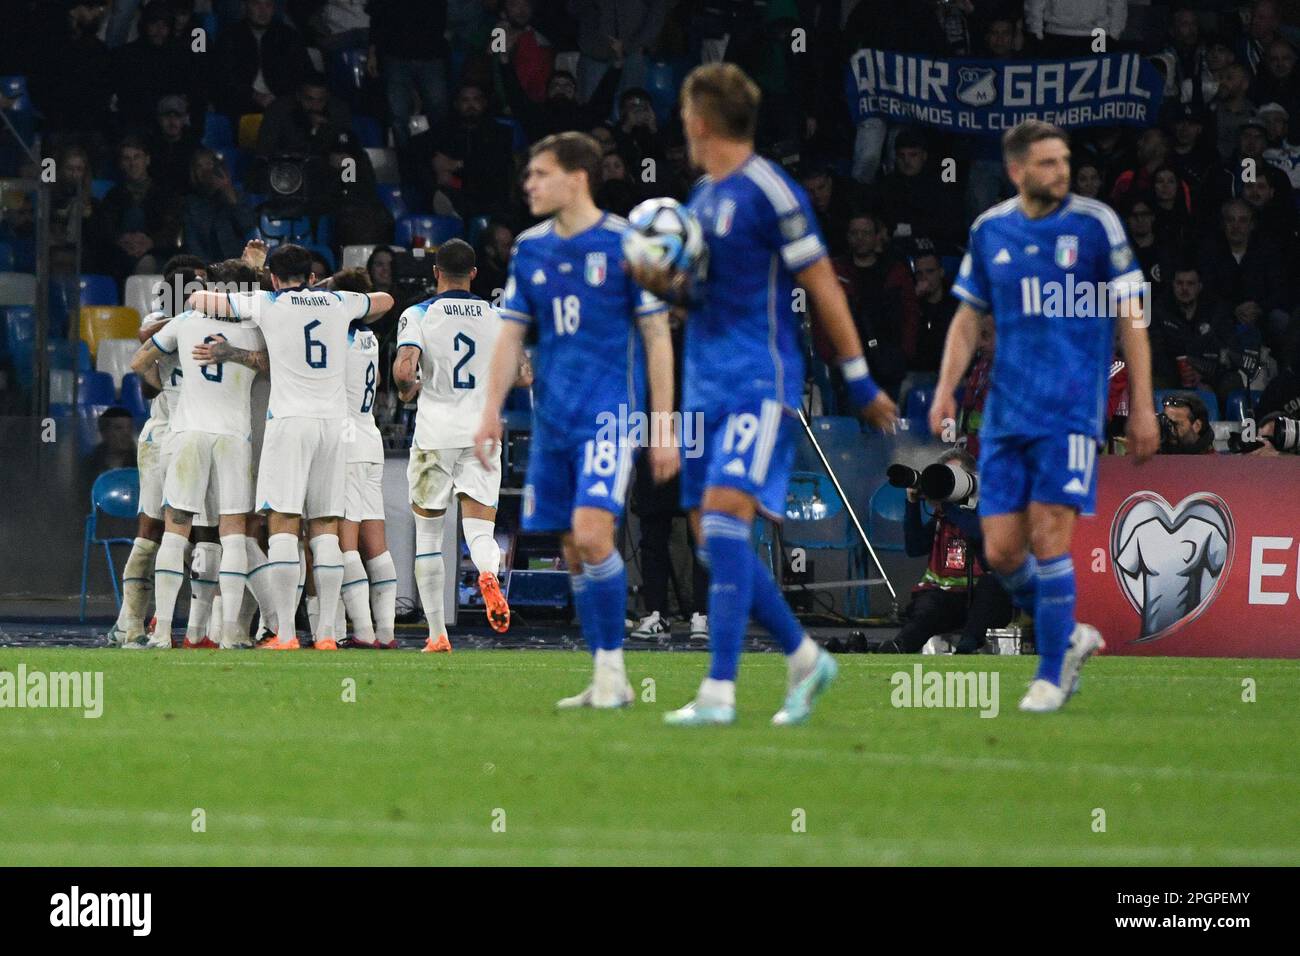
771 610
1022 584
607 591
1054 617
587 614
731 590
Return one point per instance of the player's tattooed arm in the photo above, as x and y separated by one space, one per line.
664 458
145 365
405 372
220 351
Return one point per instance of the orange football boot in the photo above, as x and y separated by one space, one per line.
273 643
440 646
328 644
498 611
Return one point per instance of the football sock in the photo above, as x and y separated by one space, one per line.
1054 617
607 594
259 583
327 571
137 585
1022 584
588 615
430 572
169 573
383 595
482 543
356 596
731 590
280 575
234 571
770 609
203 588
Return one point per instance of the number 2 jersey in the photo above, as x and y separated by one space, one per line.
1051 285
589 362
306 333
742 341
456 332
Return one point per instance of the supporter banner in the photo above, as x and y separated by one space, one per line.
991 96
1194 557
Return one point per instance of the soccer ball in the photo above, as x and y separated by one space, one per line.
662 232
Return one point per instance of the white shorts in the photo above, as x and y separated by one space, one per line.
208 472
303 469
435 475
151 462
364 498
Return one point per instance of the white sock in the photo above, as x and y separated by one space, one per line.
383 595
259 582
281 580
247 609
430 573
302 572
137 585
313 616
340 623
801 661
482 543
213 631
169 573
717 693
203 588
234 571
327 571
356 596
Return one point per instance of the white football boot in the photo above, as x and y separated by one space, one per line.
1043 697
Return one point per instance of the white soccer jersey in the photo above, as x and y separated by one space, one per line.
364 441
161 405
306 335
214 398
455 333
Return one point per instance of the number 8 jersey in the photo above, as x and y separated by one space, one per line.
455 332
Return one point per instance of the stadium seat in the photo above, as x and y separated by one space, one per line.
662 86
17 288
356 257
24 253
476 227
15 88
99 188
133 399
916 404
815 520
519 143
1240 405
95 388
116 493
236 163
885 522
19 325
99 290
100 322
369 132
217 131
250 125
384 163
62 382
6 257
141 293
435 229
284 230
347 73
114 358
392 198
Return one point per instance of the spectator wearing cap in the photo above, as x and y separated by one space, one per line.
172 146
147 69
213 220
408 50
137 224
1261 30
1191 153
1232 107
1281 152
305 124
914 196
255 61
1065 27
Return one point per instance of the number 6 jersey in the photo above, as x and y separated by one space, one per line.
455 332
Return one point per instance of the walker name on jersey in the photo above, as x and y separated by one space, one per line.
638 429
1084 299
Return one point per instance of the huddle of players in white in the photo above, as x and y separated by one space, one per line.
219 450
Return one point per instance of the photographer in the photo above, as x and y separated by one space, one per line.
956 592
1277 434
1185 426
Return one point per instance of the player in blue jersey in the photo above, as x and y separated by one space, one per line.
743 378
589 383
1055 270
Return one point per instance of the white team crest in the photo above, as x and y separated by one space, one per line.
1002 258
539 277
595 268
1067 251
726 215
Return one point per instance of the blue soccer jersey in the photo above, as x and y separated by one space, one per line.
742 341
1052 286
589 359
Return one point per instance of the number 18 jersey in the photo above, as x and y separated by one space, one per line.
455 332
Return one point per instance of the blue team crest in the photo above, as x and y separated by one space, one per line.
976 85
596 268
1067 251
726 215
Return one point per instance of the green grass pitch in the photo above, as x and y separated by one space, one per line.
461 760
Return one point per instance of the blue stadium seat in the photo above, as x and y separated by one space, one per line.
391 196
1239 405
435 229
368 130
19 325
236 162
218 133
520 141
15 88
885 523
115 493
211 24
7 257
285 230
476 227
99 290
916 404
661 82
95 388
99 188
133 399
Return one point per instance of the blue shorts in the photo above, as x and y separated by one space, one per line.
566 475
750 448
1049 469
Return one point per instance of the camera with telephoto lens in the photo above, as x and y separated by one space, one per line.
1169 441
1285 437
945 481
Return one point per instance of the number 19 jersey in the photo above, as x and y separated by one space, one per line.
456 333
